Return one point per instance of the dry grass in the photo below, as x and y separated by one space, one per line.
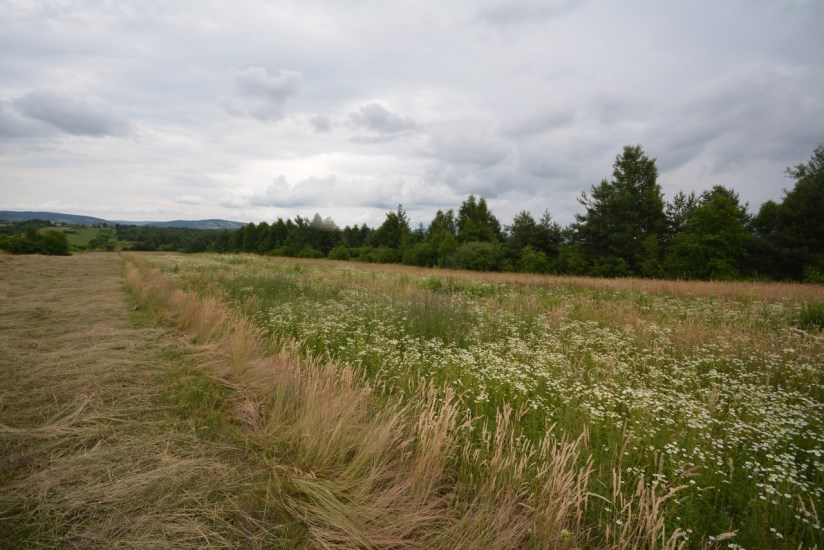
87 457
768 291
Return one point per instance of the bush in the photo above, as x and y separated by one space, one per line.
812 275
812 315
534 261
421 254
309 252
477 256
340 252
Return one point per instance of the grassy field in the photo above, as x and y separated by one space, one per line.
698 407
88 238
114 432
242 401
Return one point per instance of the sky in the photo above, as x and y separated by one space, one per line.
251 110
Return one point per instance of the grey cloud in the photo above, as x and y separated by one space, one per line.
520 12
90 116
190 199
14 125
377 118
721 119
540 122
262 96
463 181
373 140
321 123
480 151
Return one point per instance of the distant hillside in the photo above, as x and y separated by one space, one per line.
74 219
197 224
9 216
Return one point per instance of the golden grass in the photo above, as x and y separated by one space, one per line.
87 458
768 291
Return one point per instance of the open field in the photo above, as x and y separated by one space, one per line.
706 396
241 401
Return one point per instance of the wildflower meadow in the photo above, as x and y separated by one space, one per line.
710 396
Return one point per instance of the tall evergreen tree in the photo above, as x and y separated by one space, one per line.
476 222
622 215
394 231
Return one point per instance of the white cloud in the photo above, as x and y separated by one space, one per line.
190 199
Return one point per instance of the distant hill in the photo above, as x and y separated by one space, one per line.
74 219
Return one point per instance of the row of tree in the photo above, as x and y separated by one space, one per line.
627 229
181 239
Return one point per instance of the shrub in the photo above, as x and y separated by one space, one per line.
340 252
534 261
811 315
477 256
309 252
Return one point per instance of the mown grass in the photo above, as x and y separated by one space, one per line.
709 394
113 431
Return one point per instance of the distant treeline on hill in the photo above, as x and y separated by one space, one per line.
627 229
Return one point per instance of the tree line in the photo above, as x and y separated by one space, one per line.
626 229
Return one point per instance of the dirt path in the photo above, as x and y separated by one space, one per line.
102 442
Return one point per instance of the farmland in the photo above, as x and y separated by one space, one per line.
697 406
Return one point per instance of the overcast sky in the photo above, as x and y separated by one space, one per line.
249 110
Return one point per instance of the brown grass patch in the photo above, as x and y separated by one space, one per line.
87 457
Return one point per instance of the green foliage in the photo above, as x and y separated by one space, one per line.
421 254
340 252
794 228
813 276
476 256
534 261
394 231
309 252
179 239
525 231
476 223
28 239
811 315
714 241
621 214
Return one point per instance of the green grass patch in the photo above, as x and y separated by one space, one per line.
88 238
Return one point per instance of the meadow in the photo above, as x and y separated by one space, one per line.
693 412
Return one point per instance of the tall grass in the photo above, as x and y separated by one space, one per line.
706 398
358 469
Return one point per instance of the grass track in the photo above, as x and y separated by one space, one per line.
111 432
